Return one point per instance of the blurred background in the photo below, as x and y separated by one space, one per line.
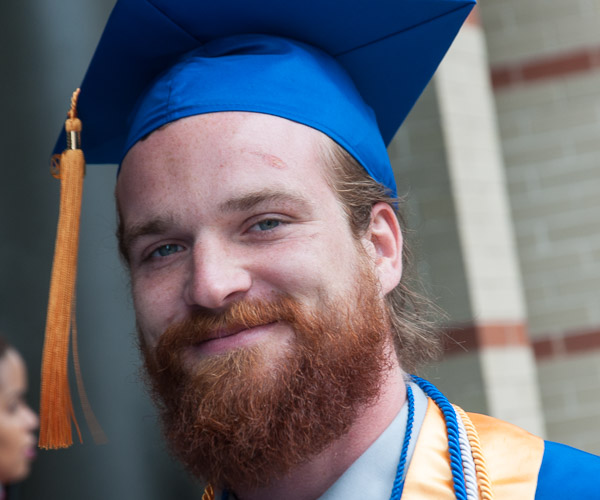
45 48
500 162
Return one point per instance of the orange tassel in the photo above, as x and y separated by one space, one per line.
56 408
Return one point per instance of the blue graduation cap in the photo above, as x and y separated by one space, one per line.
389 49
350 68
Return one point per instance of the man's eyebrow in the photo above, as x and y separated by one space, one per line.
252 200
131 233
159 225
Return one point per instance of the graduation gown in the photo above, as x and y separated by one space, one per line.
521 466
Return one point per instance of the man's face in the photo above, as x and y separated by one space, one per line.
222 207
261 316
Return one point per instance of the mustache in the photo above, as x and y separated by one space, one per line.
204 325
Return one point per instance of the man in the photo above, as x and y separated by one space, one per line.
258 219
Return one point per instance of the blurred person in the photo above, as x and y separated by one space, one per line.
18 422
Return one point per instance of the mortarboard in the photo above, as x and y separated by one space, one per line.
352 69
389 48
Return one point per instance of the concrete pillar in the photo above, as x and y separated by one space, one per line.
472 235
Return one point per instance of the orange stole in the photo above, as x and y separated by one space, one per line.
513 457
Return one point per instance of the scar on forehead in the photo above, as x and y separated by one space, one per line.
272 160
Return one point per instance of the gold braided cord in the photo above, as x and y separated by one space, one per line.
483 479
209 493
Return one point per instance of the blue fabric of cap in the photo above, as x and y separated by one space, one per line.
389 49
272 75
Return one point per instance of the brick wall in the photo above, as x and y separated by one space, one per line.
418 155
551 140
545 68
570 399
478 179
521 30
550 129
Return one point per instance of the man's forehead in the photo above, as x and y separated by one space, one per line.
256 138
230 157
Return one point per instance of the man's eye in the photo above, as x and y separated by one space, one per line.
166 250
268 224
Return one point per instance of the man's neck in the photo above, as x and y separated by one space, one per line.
312 479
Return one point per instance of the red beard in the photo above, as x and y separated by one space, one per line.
247 417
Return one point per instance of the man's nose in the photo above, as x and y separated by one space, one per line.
218 275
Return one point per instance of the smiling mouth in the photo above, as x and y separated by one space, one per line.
228 332
222 341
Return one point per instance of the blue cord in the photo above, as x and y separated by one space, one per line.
444 405
399 480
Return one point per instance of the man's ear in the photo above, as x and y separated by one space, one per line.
383 242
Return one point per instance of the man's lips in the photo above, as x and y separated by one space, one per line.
223 340
222 333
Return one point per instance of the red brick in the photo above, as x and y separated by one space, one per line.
465 338
556 66
569 343
543 349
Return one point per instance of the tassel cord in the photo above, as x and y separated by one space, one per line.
56 407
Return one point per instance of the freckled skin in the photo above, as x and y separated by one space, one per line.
208 160
18 422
